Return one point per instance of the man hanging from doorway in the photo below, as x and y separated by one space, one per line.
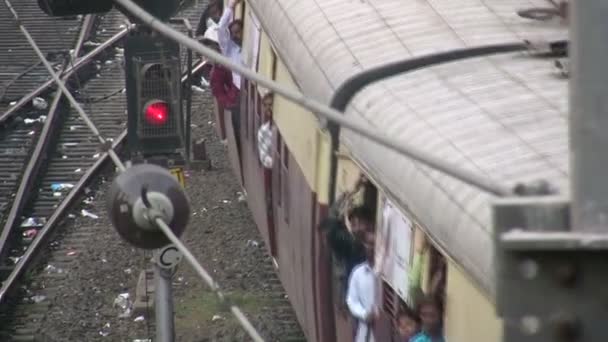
220 80
230 38
361 295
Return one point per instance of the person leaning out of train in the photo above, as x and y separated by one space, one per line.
220 79
265 133
230 35
430 312
361 296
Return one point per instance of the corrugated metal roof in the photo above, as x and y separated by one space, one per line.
503 117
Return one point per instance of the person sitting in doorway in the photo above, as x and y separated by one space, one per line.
223 88
265 134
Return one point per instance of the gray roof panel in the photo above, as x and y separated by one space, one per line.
504 117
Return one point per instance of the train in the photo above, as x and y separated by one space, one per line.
469 82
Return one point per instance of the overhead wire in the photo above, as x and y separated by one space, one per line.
317 107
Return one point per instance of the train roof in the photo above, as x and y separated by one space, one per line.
503 116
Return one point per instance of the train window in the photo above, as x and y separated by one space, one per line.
251 92
285 179
244 101
370 196
390 300
274 64
437 275
285 160
242 10
277 156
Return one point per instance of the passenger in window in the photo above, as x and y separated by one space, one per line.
230 34
430 312
415 273
408 324
210 17
361 297
265 133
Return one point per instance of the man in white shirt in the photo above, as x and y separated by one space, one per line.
361 295
265 133
230 36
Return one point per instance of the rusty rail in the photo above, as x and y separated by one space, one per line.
86 59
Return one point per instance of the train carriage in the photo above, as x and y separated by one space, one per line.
502 115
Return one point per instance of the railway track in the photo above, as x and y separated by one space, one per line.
49 158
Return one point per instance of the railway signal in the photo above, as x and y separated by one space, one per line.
154 106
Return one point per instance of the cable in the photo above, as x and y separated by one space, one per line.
320 109
238 314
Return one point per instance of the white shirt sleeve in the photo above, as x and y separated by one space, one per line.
353 297
223 33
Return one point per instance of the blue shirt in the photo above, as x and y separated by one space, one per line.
423 337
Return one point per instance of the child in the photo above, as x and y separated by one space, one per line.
429 310
408 325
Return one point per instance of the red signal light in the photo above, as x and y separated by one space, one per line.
157 113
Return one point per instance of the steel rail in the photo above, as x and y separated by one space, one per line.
32 168
62 86
317 107
86 59
52 222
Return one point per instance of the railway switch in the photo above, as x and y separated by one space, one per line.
142 191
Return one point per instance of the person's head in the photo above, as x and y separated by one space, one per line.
214 11
267 102
408 323
210 39
361 219
429 310
368 241
236 31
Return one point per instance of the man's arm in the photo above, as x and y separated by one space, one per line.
223 33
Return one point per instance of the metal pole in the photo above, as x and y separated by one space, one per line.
589 115
189 103
163 304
